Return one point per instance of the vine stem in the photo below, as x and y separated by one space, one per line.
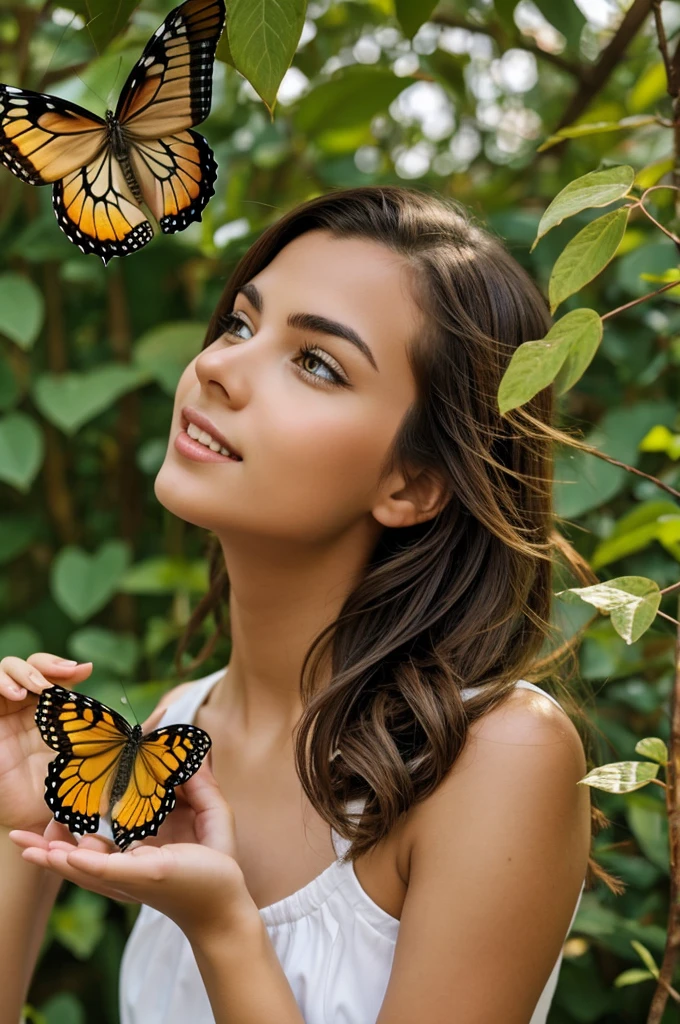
663 986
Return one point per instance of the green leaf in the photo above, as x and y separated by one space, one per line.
64 1008
586 255
635 531
165 576
632 976
349 99
653 748
631 601
598 188
22 309
22 450
411 14
79 922
106 20
68 400
651 86
165 351
261 40
566 18
646 957
648 821
654 172
620 777
575 131
583 481
564 353
82 583
115 652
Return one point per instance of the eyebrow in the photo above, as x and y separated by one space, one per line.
313 322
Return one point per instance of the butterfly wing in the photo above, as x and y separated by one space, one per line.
176 175
165 758
170 87
90 739
43 138
97 211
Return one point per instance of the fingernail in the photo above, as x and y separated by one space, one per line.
65 661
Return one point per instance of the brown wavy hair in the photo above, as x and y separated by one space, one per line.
461 600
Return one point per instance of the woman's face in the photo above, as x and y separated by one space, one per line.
311 448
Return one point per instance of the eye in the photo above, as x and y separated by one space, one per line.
231 323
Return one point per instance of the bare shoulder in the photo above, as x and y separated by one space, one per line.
497 857
526 749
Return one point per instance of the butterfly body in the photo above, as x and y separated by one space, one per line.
107 767
144 153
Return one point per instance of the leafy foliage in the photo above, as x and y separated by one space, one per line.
468 99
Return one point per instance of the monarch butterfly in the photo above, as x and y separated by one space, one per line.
106 765
103 170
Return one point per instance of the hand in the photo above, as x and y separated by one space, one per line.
196 882
24 755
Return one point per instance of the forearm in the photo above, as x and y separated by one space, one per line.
244 979
27 893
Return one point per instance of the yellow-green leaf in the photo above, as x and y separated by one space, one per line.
570 343
631 601
595 128
653 748
598 188
621 776
586 255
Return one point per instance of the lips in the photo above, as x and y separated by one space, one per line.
190 415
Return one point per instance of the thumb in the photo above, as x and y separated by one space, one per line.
214 821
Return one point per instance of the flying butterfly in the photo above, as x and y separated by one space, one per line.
102 171
107 767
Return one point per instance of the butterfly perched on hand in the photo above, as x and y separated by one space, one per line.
105 765
103 170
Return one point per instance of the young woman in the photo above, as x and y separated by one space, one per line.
384 541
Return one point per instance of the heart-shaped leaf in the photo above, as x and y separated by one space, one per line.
115 652
22 450
22 309
260 40
68 400
81 583
165 351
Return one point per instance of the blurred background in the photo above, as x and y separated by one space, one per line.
457 98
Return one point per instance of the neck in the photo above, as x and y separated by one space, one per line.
278 603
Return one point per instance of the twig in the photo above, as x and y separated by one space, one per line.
660 998
598 75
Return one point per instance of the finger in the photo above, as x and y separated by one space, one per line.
56 861
28 840
19 677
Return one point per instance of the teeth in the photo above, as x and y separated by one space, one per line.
204 437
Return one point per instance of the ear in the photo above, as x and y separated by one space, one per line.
403 502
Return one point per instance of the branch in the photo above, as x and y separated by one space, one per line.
598 74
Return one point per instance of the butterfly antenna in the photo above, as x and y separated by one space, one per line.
56 48
126 700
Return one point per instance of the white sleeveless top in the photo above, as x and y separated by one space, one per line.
334 943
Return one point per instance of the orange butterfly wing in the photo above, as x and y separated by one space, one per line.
97 211
44 138
91 739
170 87
165 758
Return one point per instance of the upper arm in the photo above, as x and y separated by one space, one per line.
499 853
